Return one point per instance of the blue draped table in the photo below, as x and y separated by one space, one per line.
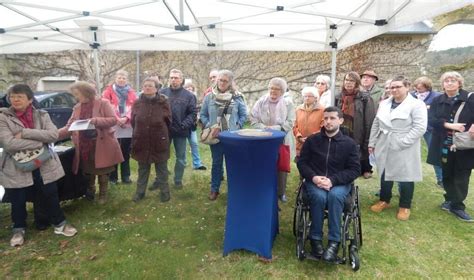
252 204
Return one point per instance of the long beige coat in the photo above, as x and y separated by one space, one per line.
45 132
395 136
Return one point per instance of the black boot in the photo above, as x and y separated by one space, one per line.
317 248
330 255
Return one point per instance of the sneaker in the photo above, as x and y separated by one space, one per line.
66 230
462 215
379 206
202 167
178 186
403 214
18 238
446 205
283 198
113 182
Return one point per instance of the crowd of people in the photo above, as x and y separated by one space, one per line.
331 136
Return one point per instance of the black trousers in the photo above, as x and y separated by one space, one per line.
455 180
406 192
125 145
46 203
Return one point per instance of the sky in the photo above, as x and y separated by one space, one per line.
453 36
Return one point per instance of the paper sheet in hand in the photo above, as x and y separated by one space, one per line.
81 125
123 132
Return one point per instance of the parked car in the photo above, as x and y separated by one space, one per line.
58 104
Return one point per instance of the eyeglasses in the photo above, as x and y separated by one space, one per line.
320 83
274 88
223 81
308 96
451 81
395 87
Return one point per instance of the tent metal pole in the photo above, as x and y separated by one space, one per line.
333 75
137 85
95 53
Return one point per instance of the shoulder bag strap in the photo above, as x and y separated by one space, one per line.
458 112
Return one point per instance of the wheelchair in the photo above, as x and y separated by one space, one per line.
351 227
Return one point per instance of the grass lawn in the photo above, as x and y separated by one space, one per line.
183 239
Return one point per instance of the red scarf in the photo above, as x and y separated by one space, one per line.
348 103
26 117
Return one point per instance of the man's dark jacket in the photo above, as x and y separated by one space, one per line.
336 158
183 111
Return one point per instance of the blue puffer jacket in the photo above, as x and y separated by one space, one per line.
183 111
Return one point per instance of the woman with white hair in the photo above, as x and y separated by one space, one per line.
275 112
447 117
309 117
323 84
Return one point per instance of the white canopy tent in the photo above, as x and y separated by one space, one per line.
28 26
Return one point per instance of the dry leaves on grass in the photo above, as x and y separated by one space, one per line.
63 244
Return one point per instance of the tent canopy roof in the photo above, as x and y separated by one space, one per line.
283 25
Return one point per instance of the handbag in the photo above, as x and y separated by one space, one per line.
29 160
462 140
207 133
283 164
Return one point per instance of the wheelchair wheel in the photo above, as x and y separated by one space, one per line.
299 228
358 220
354 259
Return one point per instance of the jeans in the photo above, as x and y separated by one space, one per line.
193 143
455 181
437 169
47 207
334 200
406 192
161 179
125 145
180 151
217 171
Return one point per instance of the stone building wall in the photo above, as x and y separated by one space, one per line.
388 55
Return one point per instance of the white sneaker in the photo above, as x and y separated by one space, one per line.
18 238
66 230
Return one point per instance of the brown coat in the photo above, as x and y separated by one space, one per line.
107 148
151 119
45 132
307 122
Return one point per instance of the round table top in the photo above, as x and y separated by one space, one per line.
252 134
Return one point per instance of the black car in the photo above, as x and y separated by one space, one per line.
58 104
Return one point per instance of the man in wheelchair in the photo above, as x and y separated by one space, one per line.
329 162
